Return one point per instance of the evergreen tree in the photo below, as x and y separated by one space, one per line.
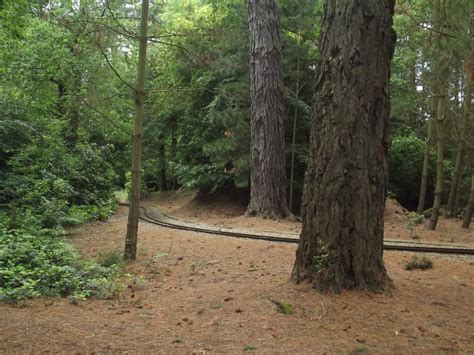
267 144
343 203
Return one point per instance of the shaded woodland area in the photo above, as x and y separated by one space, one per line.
288 111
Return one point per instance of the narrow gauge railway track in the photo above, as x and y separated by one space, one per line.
146 216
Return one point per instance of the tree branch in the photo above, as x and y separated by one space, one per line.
114 70
107 118
131 34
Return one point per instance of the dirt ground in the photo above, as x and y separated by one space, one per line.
196 293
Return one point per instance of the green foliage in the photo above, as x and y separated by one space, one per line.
421 263
128 185
55 187
121 196
284 308
405 166
203 125
415 219
41 264
52 172
250 347
110 259
405 163
360 349
321 259
196 264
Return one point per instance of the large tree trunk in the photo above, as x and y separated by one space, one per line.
453 193
341 244
267 151
470 206
130 251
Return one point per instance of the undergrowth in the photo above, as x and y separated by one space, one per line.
283 307
417 262
40 263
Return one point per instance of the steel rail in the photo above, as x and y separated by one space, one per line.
393 246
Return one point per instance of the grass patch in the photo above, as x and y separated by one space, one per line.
160 255
250 347
421 263
360 349
284 307
196 264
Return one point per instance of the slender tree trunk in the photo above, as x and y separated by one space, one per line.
470 206
341 244
441 78
174 145
130 252
72 133
267 150
293 140
460 153
439 124
162 154
426 161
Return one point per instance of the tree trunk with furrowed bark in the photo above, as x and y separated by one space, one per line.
267 144
341 244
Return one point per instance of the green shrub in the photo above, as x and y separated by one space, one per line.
128 184
93 212
52 187
406 155
110 259
421 263
42 264
405 165
415 219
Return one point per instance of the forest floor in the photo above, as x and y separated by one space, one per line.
196 293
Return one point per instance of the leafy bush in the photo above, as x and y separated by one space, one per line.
128 184
92 212
41 185
205 177
415 218
405 167
42 264
405 164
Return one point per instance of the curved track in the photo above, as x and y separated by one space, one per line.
170 222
